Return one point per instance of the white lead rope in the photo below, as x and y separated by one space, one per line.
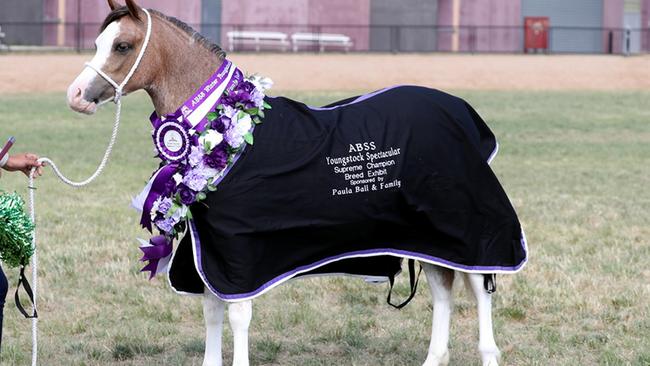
32 199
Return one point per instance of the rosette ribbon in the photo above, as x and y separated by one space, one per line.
157 252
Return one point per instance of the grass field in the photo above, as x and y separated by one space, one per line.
575 164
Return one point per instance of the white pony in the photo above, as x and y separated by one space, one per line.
170 68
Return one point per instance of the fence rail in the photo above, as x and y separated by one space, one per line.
54 35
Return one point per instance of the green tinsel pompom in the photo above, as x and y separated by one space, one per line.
16 231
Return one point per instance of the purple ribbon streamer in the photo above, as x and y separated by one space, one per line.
160 248
158 187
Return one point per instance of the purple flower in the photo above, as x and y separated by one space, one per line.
166 225
195 180
187 195
258 98
170 188
165 205
242 94
230 112
196 156
218 158
221 124
246 86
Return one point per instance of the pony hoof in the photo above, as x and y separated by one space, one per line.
491 358
434 360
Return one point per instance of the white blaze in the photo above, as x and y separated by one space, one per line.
104 43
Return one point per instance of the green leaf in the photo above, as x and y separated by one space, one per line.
201 196
248 137
175 207
257 120
267 105
253 111
220 107
212 116
261 114
189 215
212 187
241 114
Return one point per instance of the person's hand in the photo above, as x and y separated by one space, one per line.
24 163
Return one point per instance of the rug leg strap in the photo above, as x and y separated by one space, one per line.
490 283
413 280
22 281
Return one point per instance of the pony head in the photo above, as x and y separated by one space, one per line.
122 36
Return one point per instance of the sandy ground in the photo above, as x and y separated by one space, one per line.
24 73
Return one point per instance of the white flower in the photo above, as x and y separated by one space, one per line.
229 111
178 178
235 136
210 139
261 82
180 213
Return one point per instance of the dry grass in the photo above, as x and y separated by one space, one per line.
26 73
574 163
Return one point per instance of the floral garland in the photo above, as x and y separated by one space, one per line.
211 153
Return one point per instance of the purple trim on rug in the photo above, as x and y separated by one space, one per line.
358 100
356 254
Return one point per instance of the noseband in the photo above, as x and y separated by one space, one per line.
120 87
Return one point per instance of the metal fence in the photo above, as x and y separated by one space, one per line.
363 38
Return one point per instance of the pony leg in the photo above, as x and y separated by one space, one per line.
488 348
240 315
213 314
440 280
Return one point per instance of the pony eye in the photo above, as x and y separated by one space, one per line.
122 47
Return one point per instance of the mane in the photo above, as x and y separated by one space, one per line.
196 36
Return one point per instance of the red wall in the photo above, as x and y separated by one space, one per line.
93 12
504 18
475 17
613 19
300 16
645 24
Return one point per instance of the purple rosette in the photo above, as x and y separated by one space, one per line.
172 138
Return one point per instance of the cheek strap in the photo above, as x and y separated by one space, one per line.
119 88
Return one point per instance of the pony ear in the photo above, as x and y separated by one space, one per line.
113 5
134 9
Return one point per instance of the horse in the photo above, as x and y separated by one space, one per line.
177 61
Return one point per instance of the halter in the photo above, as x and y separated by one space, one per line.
119 88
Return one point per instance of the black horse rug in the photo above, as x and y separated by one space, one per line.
353 188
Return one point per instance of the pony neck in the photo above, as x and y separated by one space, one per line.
182 67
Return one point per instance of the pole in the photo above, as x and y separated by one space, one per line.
455 21
78 26
60 34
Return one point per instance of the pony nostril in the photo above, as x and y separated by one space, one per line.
96 101
78 94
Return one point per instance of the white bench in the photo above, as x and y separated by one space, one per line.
321 40
258 39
